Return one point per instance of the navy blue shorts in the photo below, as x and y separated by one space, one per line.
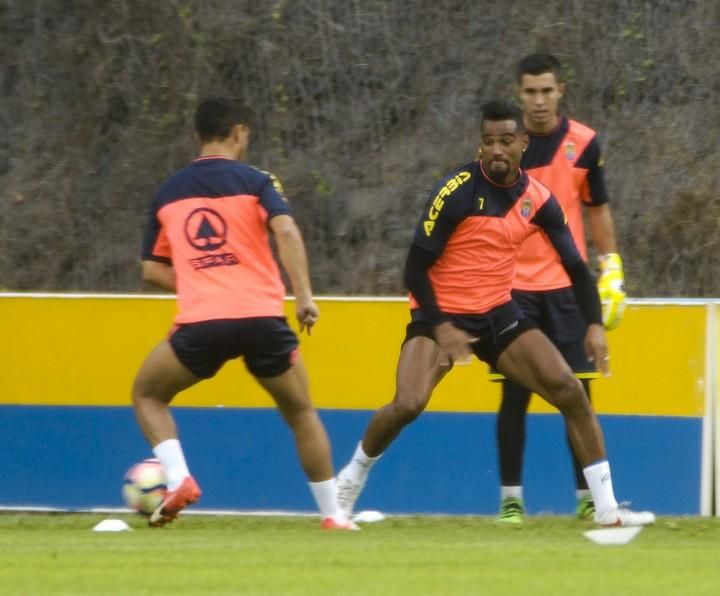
557 315
496 329
267 344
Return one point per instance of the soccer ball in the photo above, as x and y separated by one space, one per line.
144 486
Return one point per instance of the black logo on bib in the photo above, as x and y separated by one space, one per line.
205 229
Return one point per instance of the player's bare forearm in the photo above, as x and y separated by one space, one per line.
160 275
291 250
602 229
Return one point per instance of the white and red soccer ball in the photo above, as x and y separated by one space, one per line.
144 486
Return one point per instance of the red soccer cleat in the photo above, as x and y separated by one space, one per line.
187 493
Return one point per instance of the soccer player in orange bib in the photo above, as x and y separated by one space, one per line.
207 239
565 156
460 270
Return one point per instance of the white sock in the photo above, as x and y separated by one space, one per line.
599 480
325 495
515 492
171 457
360 464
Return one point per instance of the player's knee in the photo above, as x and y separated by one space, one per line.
406 410
143 391
302 416
140 392
568 393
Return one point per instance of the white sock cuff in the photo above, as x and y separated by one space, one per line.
601 464
360 454
166 444
172 458
514 492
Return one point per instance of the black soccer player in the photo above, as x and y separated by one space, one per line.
459 270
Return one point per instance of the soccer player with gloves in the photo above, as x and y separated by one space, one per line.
565 156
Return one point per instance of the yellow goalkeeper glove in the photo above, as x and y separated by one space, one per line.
611 287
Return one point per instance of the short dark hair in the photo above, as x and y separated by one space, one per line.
539 63
215 117
499 109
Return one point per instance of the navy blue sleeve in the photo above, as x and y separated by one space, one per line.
592 160
442 213
551 219
418 282
155 246
272 197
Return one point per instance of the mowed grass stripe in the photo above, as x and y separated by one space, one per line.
59 554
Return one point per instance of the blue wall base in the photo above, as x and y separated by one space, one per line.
75 457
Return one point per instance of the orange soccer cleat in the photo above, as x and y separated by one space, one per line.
187 493
332 523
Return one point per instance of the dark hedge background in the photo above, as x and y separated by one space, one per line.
360 106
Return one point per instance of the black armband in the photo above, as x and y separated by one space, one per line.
586 293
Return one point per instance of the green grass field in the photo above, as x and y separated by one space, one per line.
59 554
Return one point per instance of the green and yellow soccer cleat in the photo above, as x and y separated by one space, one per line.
511 511
585 508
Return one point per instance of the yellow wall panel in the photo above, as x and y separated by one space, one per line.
86 350
657 362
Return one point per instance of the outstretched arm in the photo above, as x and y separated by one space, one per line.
552 220
291 250
586 295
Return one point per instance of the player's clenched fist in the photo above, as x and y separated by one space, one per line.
611 287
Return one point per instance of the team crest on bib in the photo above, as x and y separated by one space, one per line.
570 150
526 208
